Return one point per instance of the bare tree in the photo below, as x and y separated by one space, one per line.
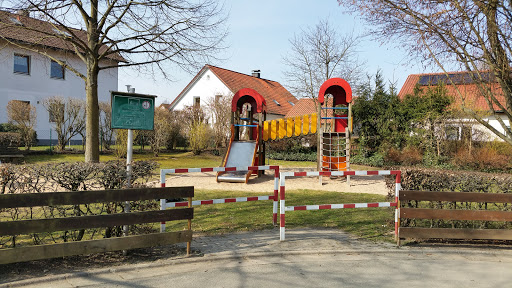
121 33
220 110
107 133
319 53
160 134
23 115
69 118
177 128
475 36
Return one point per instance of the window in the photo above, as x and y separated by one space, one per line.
21 64
452 133
56 70
197 101
277 103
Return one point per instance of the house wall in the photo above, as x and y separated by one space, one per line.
478 131
38 85
494 123
206 87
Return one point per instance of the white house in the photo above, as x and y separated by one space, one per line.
213 82
32 77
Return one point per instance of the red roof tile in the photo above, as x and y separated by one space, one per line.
41 33
470 92
165 106
270 90
302 107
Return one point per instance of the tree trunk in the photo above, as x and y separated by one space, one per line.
92 151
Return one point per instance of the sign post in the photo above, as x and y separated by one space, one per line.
131 111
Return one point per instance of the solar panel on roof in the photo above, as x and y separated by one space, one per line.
456 78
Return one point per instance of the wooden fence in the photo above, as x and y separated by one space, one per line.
36 252
470 200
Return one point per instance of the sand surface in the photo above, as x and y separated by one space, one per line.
358 184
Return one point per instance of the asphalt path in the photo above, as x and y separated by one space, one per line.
310 258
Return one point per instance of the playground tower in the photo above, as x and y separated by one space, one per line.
335 124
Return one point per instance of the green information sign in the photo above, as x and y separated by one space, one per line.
132 111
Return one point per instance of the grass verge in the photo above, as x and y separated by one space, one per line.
374 224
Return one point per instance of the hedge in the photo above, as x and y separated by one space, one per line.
454 181
9 139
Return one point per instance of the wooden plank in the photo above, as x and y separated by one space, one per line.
84 222
282 128
453 233
30 253
266 130
273 129
313 123
94 196
455 196
449 214
298 125
305 125
289 127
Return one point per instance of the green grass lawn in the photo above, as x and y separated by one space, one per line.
178 159
375 224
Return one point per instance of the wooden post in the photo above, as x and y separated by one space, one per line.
347 140
261 160
189 226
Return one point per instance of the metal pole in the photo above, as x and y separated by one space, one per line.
129 154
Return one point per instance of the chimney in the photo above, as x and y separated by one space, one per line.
130 89
256 73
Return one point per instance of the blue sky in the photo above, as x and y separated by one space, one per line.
259 33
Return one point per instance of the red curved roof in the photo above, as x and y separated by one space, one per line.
338 88
261 104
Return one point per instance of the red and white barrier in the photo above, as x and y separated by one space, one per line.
217 201
284 208
340 206
164 204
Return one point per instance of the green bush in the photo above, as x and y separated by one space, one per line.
292 156
199 137
375 160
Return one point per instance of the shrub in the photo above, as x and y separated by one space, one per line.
453 181
292 156
198 137
448 180
393 156
375 160
9 139
482 158
411 156
73 177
